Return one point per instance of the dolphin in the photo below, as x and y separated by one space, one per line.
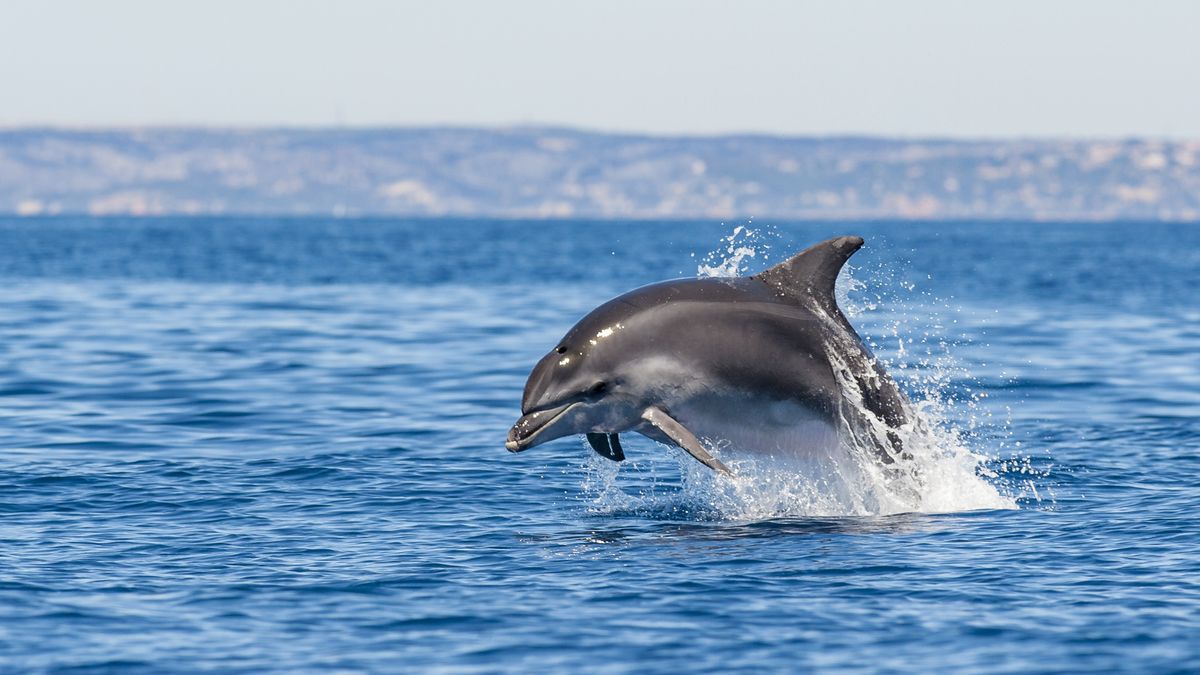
761 364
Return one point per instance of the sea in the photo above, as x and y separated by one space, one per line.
277 445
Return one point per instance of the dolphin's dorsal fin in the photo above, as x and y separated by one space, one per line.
812 273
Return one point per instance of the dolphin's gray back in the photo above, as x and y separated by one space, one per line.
735 332
780 332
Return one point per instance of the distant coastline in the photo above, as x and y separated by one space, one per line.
542 172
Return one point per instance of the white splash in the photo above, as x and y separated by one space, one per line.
940 473
736 251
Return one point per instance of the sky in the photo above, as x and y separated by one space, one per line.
919 68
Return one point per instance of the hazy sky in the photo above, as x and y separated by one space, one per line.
919 67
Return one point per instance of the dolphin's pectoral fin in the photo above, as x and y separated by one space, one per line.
683 438
607 445
615 441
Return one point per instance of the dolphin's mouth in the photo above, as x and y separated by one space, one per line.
526 432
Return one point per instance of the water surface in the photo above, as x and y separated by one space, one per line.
254 444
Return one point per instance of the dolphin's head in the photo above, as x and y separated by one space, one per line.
584 385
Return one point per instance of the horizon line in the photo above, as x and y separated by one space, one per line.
22 127
618 219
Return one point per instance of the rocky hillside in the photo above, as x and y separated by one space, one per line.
546 172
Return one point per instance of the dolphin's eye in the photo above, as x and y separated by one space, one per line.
598 388
561 349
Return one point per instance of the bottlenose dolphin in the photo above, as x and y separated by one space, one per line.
759 364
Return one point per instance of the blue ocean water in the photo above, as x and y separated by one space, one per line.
277 445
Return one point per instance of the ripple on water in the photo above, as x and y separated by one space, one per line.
247 445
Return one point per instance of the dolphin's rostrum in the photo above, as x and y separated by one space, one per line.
762 364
